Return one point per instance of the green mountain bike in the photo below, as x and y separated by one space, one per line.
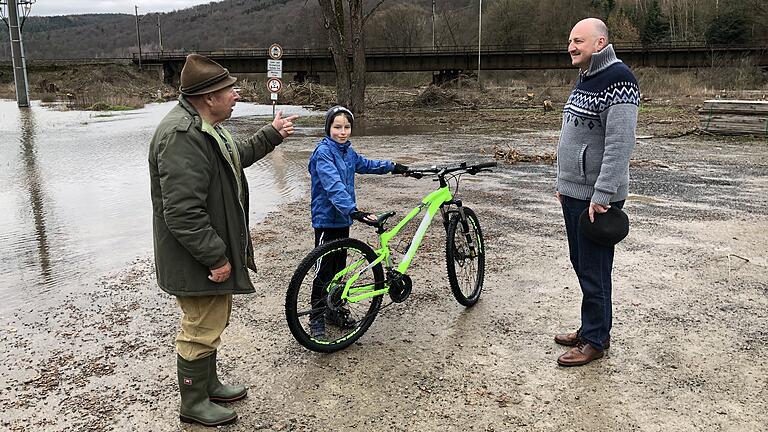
327 314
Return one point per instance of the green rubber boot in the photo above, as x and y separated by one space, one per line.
193 385
218 392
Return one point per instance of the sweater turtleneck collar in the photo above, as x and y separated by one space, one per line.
601 60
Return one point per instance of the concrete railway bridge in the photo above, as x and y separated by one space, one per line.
448 62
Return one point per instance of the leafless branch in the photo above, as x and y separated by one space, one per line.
368 15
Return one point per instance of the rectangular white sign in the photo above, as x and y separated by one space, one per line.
275 65
273 96
274 74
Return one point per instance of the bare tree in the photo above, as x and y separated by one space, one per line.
333 16
402 26
509 22
357 104
343 41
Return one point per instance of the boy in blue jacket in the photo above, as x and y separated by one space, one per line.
332 168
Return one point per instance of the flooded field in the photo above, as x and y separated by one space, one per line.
74 193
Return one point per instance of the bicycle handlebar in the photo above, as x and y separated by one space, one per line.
486 165
472 169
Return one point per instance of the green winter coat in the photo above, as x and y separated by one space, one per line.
198 220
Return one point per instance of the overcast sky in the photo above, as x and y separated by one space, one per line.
59 7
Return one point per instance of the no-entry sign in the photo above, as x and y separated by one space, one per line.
274 85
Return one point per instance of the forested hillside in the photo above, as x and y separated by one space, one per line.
394 23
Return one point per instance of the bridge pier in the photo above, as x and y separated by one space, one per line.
304 76
445 75
172 74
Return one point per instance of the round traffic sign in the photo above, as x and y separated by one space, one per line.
274 85
275 51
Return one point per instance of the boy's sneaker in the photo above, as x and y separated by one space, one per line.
317 327
340 318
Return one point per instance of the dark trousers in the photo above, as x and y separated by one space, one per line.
593 264
328 266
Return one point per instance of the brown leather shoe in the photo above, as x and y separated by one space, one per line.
580 356
573 339
568 339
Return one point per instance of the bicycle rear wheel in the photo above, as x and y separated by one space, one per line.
465 257
317 316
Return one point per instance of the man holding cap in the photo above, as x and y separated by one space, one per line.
596 141
201 238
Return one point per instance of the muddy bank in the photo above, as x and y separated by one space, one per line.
531 103
690 314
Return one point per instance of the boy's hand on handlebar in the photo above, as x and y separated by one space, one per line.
400 169
362 216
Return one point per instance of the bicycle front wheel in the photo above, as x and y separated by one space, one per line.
317 316
465 257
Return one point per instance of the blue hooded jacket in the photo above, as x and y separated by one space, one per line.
332 168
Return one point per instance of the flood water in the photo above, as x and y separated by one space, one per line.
74 193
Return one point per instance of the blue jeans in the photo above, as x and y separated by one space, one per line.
593 264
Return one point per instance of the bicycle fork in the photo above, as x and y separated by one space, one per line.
464 223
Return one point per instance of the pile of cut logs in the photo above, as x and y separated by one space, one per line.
734 117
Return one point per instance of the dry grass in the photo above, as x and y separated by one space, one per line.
122 85
308 93
434 96
97 101
94 86
704 82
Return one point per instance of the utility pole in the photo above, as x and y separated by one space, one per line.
159 33
433 25
138 34
17 52
479 38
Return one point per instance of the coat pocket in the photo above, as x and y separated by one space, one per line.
570 161
583 161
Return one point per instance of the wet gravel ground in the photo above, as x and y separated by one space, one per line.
689 343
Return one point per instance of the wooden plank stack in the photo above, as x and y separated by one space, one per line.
734 117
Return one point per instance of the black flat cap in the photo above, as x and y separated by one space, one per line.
608 229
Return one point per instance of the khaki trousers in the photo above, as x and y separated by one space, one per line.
204 319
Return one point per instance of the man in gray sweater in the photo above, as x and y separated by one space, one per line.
596 141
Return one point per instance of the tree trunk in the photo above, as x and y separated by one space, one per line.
334 24
358 57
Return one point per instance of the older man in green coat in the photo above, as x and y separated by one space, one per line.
202 244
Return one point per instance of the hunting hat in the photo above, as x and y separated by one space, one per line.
332 113
608 229
201 75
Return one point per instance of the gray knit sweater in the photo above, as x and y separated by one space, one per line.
598 132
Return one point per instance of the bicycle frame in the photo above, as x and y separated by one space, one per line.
432 202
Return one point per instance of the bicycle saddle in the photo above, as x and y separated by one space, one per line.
381 218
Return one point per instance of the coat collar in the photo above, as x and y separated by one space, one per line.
196 118
601 60
335 145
